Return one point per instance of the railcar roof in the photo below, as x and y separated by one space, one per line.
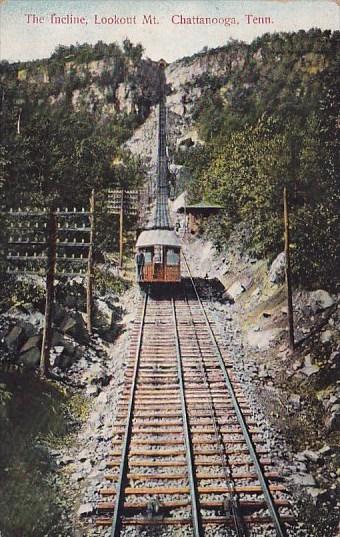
162 237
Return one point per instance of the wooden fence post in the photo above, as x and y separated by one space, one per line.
288 271
50 276
89 286
121 228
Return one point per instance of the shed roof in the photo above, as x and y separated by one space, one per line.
203 206
163 237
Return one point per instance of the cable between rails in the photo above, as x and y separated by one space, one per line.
195 508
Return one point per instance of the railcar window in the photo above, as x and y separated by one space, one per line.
148 257
172 257
158 258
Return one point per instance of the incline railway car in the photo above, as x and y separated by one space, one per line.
161 251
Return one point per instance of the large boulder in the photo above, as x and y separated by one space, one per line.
235 290
277 269
64 352
33 341
31 358
320 300
57 338
15 337
102 314
73 325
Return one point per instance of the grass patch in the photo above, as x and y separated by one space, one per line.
106 282
40 416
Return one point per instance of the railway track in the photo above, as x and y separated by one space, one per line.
187 455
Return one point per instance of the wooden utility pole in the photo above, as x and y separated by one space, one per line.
121 228
89 286
288 271
51 268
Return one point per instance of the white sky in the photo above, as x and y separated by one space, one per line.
20 40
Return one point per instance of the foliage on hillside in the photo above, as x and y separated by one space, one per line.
36 419
54 151
273 122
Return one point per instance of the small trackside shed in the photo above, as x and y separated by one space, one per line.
196 213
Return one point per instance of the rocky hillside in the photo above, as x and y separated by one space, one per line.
297 393
107 80
188 81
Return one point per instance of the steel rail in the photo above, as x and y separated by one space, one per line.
238 523
194 496
280 530
119 500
